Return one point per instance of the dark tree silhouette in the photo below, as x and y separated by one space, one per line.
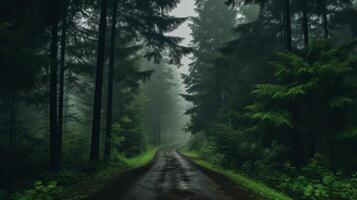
305 21
287 20
108 135
55 138
62 69
97 105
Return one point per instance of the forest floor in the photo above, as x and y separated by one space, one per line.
173 177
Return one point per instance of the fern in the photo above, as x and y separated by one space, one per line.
276 118
269 90
340 102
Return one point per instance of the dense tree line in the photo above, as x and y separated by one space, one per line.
164 109
277 93
60 61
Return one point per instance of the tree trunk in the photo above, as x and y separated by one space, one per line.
287 25
313 108
283 35
156 125
332 153
324 18
297 142
298 147
159 128
305 24
62 69
110 84
10 172
55 140
67 98
312 141
97 105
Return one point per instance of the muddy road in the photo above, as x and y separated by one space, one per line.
173 178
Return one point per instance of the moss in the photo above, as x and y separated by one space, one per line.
142 159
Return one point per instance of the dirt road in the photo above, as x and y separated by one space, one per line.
173 178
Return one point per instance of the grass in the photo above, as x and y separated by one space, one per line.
257 189
90 183
142 159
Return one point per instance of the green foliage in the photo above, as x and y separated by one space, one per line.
41 191
2 194
310 95
129 137
140 160
206 72
276 117
315 80
252 187
209 152
196 142
284 117
314 181
76 185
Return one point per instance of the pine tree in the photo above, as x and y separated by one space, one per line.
211 29
301 80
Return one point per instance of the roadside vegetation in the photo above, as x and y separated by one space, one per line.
81 184
253 188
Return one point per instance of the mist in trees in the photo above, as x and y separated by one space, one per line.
164 110
72 78
270 92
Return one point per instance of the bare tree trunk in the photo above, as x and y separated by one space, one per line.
55 139
287 25
297 139
62 69
305 24
108 134
298 147
11 146
283 35
332 153
67 99
324 18
97 105
312 138
155 125
159 128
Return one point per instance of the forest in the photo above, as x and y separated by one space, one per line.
91 90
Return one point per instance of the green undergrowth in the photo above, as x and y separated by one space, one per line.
80 184
254 188
140 160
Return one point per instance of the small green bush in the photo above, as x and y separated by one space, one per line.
40 191
315 181
2 194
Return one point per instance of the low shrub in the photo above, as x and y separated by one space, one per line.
40 190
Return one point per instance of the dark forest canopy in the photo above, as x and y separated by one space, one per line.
90 87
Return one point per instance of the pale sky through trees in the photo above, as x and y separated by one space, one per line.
184 9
